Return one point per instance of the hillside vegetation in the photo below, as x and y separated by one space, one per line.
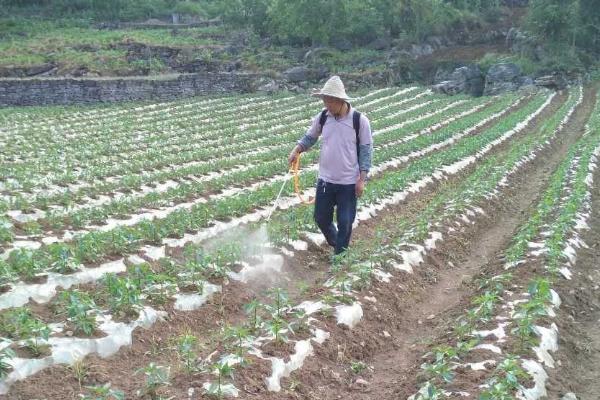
91 37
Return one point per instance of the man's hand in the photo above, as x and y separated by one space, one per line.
293 155
360 187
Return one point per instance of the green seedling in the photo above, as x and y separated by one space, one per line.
238 335
157 377
81 310
358 366
187 347
252 310
6 354
222 370
104 392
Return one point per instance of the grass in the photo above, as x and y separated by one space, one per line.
76 43
73 43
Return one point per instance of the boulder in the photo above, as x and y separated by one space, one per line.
470 79
297 74
555 81
503 77
467 79
304 74
447 87
269 87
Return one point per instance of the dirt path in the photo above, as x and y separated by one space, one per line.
416 309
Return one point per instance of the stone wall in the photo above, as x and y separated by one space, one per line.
47 91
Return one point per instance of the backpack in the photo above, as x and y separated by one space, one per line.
355 124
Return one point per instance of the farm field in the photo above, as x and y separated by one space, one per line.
137 260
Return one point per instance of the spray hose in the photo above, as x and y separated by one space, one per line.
294 170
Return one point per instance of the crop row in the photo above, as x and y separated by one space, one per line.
259 169
176 222
516 314
259 134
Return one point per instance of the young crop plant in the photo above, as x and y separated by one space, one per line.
64 261
157 378
252 309
27 263
429 392
81 311
187 349
21 324
6 233
223 371
506 381
157 287
124 295
440 367
357 367
237 336
7 274
485 305
104 392
342 284
280 302
6 354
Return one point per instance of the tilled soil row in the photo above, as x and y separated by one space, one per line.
306 268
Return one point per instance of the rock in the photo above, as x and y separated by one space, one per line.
551 81
569 396
269 87
442 74
302 74
446 87
297 74
503 77
468 79
362 382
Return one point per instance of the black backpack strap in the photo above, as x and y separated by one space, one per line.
323 118
356 124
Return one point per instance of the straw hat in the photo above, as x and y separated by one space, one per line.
334 87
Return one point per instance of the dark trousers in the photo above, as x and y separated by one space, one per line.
329 196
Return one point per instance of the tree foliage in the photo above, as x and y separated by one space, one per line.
563 23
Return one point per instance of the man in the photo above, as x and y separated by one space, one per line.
343 163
